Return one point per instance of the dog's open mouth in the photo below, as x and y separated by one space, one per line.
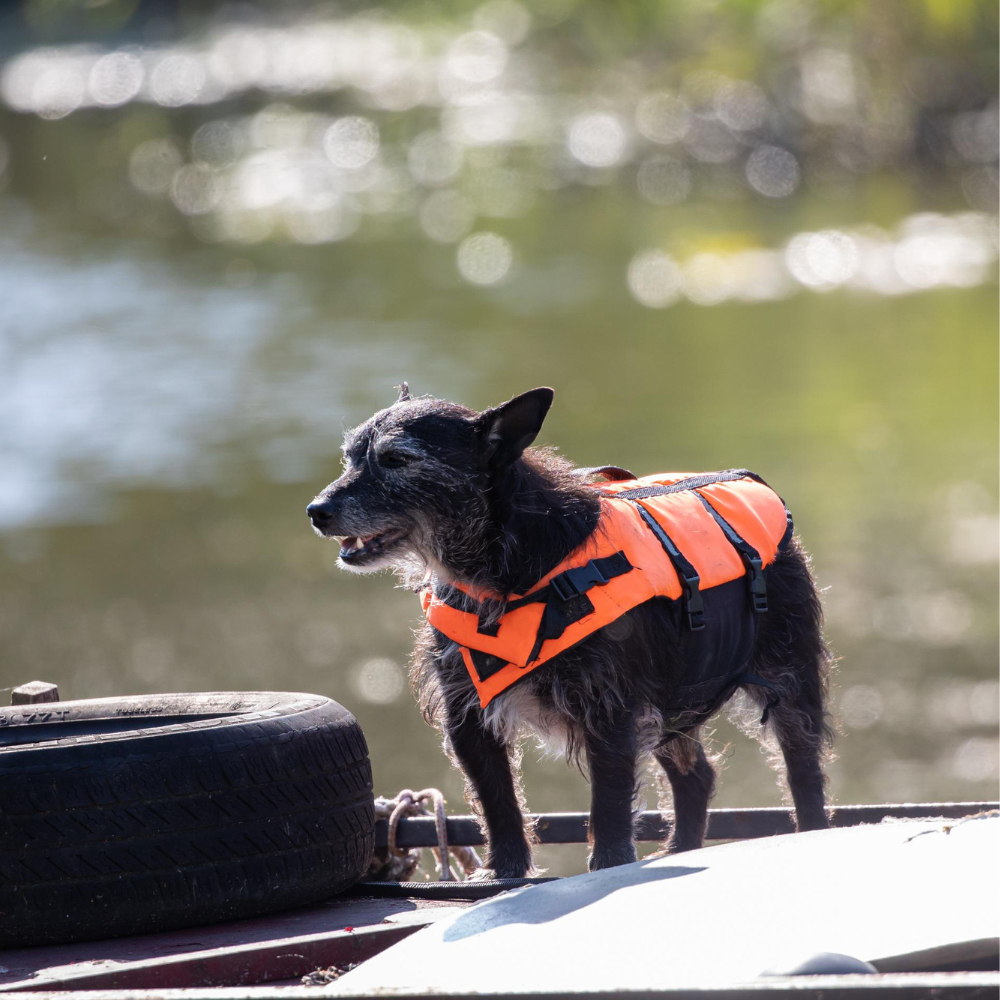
355 550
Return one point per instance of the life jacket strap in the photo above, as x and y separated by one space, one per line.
694 606
575 582
565 597
750 556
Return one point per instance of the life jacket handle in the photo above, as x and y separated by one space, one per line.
612 473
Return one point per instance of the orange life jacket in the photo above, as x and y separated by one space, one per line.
673 535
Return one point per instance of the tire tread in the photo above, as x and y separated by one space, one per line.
278 819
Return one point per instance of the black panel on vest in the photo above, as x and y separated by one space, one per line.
486 664
715 655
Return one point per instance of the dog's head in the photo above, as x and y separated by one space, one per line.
417 479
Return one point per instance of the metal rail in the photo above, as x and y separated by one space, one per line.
653 826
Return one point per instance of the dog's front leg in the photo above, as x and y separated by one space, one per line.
612 749
485 761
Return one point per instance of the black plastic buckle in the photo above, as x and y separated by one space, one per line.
758 585
693 603
575 582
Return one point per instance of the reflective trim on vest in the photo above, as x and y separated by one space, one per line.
752 509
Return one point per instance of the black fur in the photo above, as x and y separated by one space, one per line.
453 494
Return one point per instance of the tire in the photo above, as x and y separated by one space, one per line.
128 815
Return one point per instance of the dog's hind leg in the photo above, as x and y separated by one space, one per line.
491 789
801 751
692 784
792 656
612 751
797 722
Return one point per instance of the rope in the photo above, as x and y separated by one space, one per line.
399 863
410 803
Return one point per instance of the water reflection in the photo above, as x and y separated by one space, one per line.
759 236
290 172
929 251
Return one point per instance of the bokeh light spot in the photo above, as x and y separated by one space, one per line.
351 142
152 165
195 189
115 79
219 142
861 706
707 279
484 258
654 279
177 79
597 139
822 260
772 171
976 760
710 141
378 681
476 57
741 105
662 117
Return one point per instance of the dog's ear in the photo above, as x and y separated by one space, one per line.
404 392
508 429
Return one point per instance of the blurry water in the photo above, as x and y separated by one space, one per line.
221 245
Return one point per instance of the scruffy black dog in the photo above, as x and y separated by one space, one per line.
447 496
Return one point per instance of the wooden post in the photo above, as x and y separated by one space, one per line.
34 692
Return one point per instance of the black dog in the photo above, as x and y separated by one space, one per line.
447 496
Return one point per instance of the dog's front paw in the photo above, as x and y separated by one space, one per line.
482 875
491 874
612 855
682 844
506 861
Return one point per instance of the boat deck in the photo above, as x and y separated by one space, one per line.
247 958
277 948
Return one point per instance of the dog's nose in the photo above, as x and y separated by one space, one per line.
321 512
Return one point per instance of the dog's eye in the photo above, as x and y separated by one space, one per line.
393 459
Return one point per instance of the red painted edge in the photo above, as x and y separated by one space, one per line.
235 965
